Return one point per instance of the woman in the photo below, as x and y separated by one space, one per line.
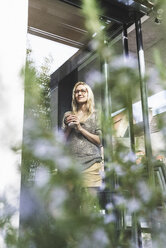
83 133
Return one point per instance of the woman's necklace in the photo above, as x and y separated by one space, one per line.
80 114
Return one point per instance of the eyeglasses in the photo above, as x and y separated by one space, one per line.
82 91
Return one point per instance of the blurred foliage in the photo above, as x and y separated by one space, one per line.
55 210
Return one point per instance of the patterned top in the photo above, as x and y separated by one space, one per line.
86 152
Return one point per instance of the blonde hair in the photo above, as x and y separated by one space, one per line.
90 106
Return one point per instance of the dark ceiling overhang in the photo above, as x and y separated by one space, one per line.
120 11
62 20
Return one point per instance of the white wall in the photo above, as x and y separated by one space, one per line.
13 30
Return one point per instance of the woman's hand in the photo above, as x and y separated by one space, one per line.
73 119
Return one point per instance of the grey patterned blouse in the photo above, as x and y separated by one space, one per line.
85 152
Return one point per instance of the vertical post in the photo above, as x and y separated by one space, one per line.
135 233
144 97
130 111
108 110
106 89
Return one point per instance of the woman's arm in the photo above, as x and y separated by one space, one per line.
67 131
90 136
65 127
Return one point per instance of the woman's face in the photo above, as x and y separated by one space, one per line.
81 94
